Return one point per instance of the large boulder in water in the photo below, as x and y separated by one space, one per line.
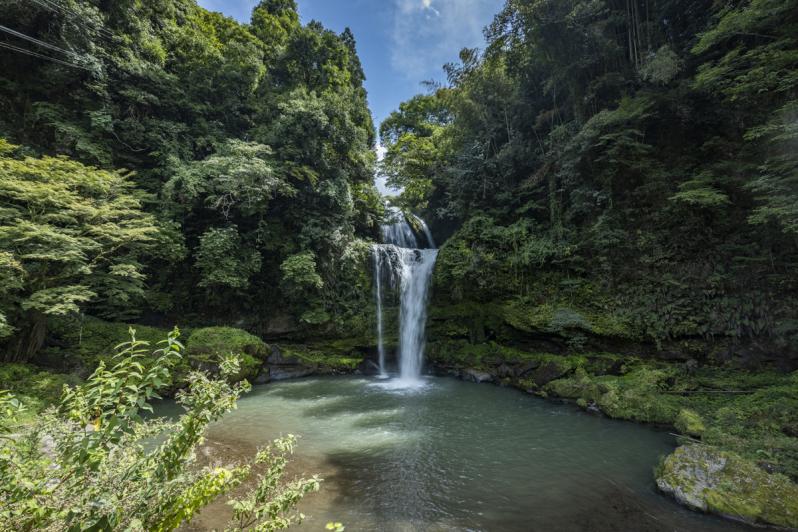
476 375
726 484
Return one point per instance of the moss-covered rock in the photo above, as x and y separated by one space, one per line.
689 422
321 359
205 347
726 484
638 396
216 341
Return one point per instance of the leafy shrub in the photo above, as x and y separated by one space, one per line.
94 463
87 340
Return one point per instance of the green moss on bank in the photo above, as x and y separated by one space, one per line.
321 358
564 319
689 422
753 417
754 414
206 346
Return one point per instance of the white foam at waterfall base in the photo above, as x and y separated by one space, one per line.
405 386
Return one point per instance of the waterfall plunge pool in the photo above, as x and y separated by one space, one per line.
449 455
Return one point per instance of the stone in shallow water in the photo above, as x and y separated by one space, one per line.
475 375
279 373
723 483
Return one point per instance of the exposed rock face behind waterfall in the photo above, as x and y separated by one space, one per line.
408 269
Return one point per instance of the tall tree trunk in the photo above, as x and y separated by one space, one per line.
555 206
30 339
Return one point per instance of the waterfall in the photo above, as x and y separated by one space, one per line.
378 297
399 232
417 268
409 269
426 231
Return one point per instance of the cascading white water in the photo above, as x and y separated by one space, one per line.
399 232
410 270
417 265
426 231
378 297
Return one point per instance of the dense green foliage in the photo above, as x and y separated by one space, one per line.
33 388
252 146
69 235
622 176
640 154
609 176
93 462
80 343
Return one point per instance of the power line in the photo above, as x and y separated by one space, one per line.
53 6
67 11
42 56
36 41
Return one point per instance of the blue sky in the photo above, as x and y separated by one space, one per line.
400 42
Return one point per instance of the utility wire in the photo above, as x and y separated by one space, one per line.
36 41
42 56
51 5
58 5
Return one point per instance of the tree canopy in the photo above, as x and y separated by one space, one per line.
251 144
72 236
641 150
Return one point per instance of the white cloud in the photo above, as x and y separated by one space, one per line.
428 33
428 6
